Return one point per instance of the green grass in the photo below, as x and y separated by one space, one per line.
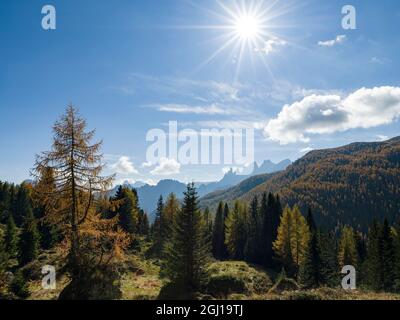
237 277
142 282
235 280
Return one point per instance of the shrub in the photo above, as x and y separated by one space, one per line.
222 285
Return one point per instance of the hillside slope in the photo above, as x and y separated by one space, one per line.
212 199
347 185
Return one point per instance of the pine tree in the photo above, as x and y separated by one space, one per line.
22 205
361 245
92 242
300 237
29 240
11 238
373 261
19 285
225 251
282 244
128 211
252 250
347 254
171 207
387 257
397 258
270 212
143 223
44 205
188 250
236 231
329 262
3 266
292 240
208 223
310 270
157 229
6 193
218 238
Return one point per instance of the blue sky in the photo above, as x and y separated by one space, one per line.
131 66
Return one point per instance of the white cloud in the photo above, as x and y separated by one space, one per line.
322 114
271 45
124 166
330 43
382 137
212 109
166 167
146 164
231 124
377 60
305 150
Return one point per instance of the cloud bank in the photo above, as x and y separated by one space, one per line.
166 167
124 166
324 114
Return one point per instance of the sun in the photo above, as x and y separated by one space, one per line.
247 27
247 32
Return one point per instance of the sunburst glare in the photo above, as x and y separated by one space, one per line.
246 30
247 27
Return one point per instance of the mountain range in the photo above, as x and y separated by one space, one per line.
351 185
149 194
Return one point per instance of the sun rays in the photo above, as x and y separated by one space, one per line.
246 30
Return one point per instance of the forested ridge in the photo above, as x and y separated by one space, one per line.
258 244
348 185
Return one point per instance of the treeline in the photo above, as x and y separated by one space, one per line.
349 185
264 234
26 232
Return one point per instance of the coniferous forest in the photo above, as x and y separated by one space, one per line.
107 247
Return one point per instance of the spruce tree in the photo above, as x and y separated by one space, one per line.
11 238
187 252
270 212
266 230
310 270
218 232
143 223
128 211
208 223
157 229
225 251
252 250
387 257
29 239
3 267
19 285
329 263
397 259
22 205
373 261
